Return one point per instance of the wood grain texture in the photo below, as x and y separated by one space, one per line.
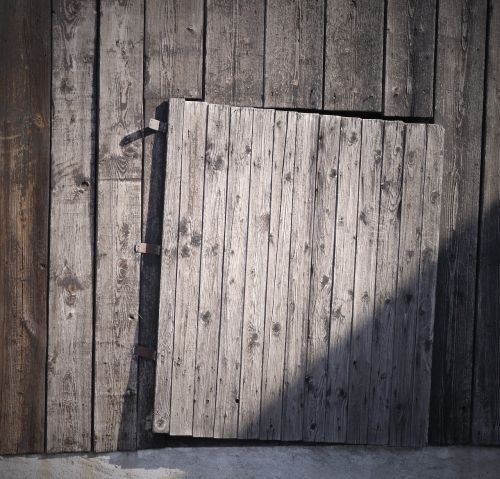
486 415
294 54
234 52
459 109
354 46
24 209
409 58
118 225
70 335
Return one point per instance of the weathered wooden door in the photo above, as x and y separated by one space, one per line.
298 276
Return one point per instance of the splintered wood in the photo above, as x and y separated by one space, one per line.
298 278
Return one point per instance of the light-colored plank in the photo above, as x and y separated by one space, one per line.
255 274
343 280
407 293
364 281
166 317
235 52
299 274
69 356
277 274
233 283
294 53
354 46
212 249
188 267
118 225
386 284
321 279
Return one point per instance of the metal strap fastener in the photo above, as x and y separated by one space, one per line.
157 125
144 352
148 248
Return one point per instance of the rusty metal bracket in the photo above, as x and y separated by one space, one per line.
157 125
149 354
148 248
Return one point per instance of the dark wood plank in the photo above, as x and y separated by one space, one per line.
234 59
24 209
69 358
294 54
459 109
409 58
354 46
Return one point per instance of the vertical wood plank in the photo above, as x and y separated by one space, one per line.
386 284
214 214
354 46
69 357
188 267
409 63
277 274
235 52
343 281
321 278
364 284
233 283
118 225
294 53
299 275
166 320
24 202
407 293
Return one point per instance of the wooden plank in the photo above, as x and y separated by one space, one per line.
70 336
118 225
459 109
234 59
24 209
409 58
486 415
277 274
364 284
299 275
233 283
254 311
214 214
321 278
426 303
354 47
386 284
173 49
407 292
294 54
188 267
165 347
343 280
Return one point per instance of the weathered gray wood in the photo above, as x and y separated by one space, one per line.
174 48
255 278
69 356
294 53
354 46
364 281
188 267
168 281
320 295
459 109
234 59
233 283
426 303
214 213
277 274
407 292
299 274
386 284
343 280
118 225
486 414
409 58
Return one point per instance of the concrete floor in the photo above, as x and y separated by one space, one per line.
289 462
